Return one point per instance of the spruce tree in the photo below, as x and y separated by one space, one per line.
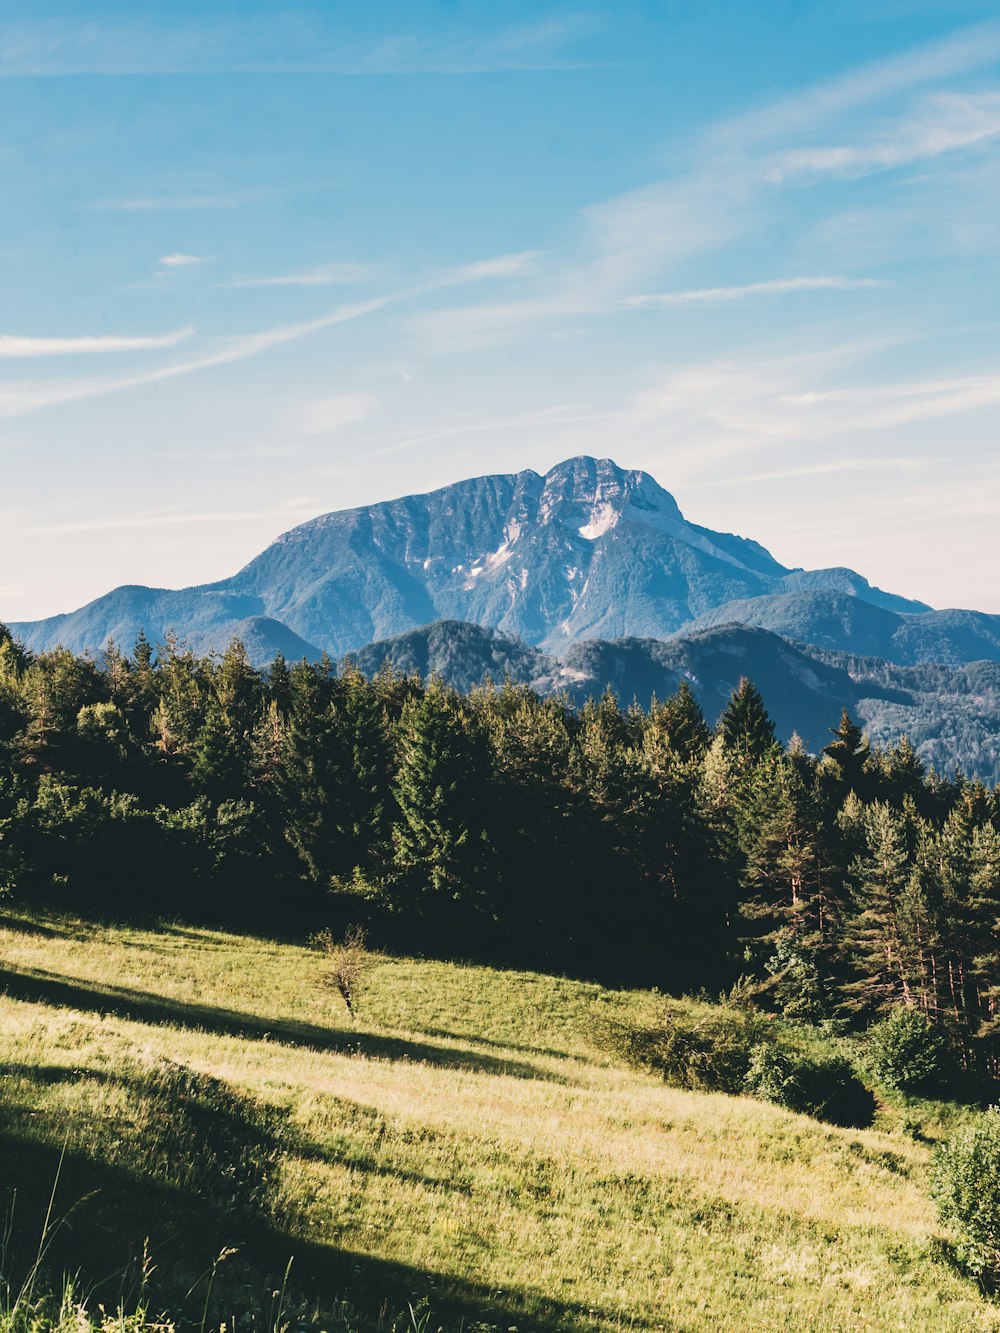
881 955
848 751
683 723
745 727
442 855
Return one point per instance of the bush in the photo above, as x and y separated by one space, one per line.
906 1052
709 1050
825 1087
347 961
965 1184
730 1048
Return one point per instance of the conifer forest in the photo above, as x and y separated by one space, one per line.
641 846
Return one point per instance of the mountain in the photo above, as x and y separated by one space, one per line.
462 655
842 621
587 551
950 714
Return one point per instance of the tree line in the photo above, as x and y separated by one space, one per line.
634 845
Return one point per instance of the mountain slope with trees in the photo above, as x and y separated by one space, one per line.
951 715
844 622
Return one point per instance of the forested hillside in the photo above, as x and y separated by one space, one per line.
951 715
630 846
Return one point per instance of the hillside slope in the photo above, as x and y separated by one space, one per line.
951 715
461 1147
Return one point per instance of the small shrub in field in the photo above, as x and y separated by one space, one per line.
733 1048
707 1049
347 961
906 1052
825 1087
965 1184
771 1076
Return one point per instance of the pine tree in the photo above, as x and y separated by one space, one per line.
442 855
182 694
789 906
882 958
314 780
369 800
849 752
984 966
682 723
745 727
279 685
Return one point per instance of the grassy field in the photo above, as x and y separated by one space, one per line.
462 1147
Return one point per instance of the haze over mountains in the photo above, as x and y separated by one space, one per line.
587 551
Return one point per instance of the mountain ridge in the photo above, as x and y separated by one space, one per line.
587 550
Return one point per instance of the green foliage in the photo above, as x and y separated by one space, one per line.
442 851
735 1049
906 1052
826 1087
744 725
609 842
706 1048
965 1183
848 751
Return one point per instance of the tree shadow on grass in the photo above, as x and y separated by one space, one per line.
108 1217
39 986
24 925
547 1051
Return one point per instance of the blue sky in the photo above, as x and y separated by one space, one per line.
259 262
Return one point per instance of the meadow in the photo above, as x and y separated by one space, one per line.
462 1155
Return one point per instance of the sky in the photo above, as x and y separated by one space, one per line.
259 262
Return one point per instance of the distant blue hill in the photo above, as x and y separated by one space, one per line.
587 551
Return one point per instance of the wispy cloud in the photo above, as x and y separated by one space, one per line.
558 414
281 513
970 48
178 260
501 266
945 123
338 274
775 286
13 346
787 399
814 470
918 400
323 416
737 183
291 43
18 399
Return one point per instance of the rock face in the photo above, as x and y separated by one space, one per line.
589 550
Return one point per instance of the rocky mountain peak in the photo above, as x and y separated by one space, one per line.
593 495
589 550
